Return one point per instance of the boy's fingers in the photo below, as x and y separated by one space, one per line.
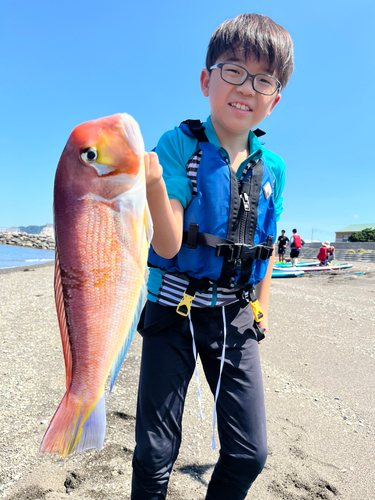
151 160
153 155
153 169
146 160
154 160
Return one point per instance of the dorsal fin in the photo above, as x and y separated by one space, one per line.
61 316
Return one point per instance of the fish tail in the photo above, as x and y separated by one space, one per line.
72 430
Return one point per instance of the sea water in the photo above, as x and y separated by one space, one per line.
12 256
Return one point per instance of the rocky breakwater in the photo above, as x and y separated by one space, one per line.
42 242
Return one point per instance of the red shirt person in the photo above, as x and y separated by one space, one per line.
324 253
296 243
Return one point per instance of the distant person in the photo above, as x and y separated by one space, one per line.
282 242
331 253
295 243
324 253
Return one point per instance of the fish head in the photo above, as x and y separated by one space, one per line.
103 157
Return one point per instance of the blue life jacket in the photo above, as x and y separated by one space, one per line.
228 226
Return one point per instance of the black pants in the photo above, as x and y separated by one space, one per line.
166 369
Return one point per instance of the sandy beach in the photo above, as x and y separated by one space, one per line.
319 379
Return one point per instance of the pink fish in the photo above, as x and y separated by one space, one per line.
103 229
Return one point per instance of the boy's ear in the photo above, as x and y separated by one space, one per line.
277 99
205 82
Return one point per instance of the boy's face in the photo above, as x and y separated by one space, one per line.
226 99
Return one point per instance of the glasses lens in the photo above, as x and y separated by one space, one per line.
265 84
231 73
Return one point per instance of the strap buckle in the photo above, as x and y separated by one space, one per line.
185 302
232 251
242 251
248 297
254 304
257 311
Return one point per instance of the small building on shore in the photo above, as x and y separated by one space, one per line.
344 233
48 231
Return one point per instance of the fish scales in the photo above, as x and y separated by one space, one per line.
95 303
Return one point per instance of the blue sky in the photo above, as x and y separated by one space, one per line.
63 63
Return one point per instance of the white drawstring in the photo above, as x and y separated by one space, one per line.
196 368
220 372
213 446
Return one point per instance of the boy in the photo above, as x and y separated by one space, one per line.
214 203
282 242
296 243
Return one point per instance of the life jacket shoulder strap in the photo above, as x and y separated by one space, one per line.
197 128
258 132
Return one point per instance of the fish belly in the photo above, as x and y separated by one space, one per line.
102 266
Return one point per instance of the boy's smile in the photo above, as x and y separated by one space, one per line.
235 109
240 106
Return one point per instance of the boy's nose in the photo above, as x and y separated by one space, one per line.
247 87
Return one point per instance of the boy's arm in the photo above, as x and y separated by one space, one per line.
167 215
262 291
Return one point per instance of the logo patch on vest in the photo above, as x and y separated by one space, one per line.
267 190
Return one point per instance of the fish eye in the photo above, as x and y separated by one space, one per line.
89 155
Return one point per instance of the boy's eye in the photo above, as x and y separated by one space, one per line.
233 71
264 80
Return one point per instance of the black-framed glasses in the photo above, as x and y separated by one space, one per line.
237 75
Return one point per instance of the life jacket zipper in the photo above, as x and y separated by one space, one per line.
245 198
246 209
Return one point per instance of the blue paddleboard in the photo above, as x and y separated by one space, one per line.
288 274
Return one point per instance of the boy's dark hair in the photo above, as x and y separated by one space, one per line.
283 230
294 230
256 35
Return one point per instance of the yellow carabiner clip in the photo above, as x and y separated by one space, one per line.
186 301
257 311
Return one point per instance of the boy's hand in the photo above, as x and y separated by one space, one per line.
167 215
263 324
153 170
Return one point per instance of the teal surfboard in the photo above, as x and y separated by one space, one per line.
299 264
287 274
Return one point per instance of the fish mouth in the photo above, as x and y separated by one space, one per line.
133 134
